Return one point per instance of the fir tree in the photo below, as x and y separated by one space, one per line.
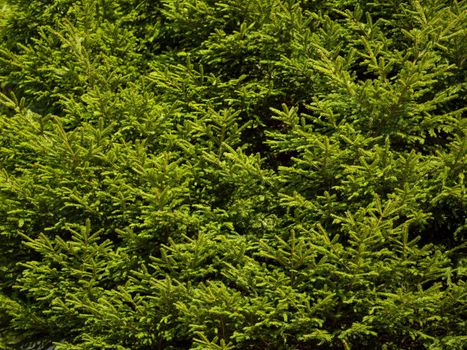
232 174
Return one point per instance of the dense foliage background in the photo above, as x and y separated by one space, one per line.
234 174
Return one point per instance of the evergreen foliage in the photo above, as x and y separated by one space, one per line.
233 174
